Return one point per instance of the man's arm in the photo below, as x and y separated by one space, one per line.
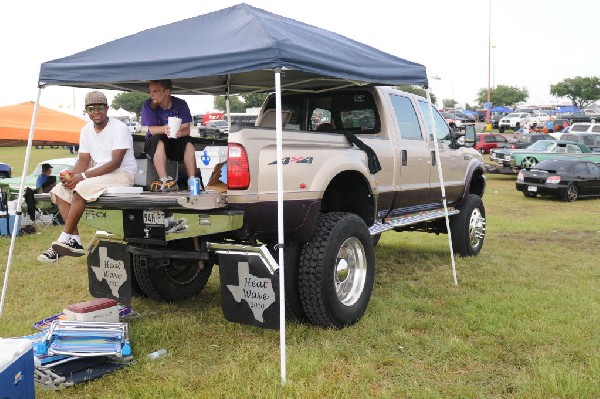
83 161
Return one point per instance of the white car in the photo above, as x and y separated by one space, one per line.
134 127
513 121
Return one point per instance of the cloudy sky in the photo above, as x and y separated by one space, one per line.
535 43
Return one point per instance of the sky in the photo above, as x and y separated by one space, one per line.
526 44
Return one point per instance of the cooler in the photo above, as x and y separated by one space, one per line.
6 224
104 310
146 173
208 158
16 369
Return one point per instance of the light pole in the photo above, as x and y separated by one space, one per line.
488 119
494 67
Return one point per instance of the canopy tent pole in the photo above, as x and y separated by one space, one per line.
19 201
227 107
441 176
280 235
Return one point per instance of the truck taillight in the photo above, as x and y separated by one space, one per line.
238 170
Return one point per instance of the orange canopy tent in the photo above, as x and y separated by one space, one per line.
51 127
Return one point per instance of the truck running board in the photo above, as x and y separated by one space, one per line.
410 219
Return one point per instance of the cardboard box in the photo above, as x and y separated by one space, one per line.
104 310
16 368
146 173
6 230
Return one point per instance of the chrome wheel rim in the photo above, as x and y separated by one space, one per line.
572 193
350 271
476 228
529 162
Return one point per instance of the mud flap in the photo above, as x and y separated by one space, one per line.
249 292
109 272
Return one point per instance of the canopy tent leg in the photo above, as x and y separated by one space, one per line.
280 235
441 176
19 201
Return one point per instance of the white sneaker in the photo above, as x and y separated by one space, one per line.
49 256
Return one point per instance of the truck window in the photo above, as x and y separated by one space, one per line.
408 123
442 130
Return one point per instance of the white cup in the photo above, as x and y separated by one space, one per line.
174 125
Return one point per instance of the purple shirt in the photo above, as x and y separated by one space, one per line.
160 117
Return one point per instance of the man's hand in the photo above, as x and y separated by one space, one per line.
72 182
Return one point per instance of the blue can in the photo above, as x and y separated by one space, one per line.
194 185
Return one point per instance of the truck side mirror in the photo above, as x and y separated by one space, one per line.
470 136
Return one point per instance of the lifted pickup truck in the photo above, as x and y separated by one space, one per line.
371 169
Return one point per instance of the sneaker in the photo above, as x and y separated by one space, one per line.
166 185
69 248
174 226
49 256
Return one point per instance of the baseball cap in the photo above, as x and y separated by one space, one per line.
46 166
95 97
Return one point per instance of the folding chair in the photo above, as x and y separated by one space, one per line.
41 213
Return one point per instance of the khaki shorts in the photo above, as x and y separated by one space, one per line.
93 187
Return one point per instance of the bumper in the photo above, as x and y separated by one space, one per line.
542 189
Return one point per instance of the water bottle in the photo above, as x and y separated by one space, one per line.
158 354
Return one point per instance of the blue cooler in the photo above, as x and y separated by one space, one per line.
16 369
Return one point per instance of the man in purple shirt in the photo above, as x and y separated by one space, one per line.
160 146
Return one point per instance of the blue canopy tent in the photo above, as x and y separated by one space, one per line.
240 49
501 109
567 109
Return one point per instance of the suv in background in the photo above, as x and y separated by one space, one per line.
513 121
134 127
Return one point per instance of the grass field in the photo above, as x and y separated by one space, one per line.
522 323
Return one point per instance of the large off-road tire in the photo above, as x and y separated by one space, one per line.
468 227
337 270
571 194
172 279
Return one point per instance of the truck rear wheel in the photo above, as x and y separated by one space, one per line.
468 227
172 279
337 270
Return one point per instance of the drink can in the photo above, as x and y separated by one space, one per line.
65 174
194 185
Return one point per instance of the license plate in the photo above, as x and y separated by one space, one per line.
154 217
532 189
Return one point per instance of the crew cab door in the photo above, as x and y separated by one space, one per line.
414 159
455 162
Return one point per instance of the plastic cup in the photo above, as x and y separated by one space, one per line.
174 125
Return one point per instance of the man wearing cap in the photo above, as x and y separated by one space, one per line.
44 181
105 143
159 146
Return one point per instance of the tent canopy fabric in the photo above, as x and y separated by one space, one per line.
233 50
501 109
51 128
568 109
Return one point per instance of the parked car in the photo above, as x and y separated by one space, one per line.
5 170
513 121
583 127
592 140
487 141
456 122
548 149
134 127
567 179
501 154
58 164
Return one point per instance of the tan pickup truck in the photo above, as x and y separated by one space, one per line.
356 162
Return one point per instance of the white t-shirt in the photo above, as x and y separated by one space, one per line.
115 136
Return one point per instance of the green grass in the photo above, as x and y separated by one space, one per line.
522 323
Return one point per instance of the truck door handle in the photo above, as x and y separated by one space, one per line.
404 158
433 158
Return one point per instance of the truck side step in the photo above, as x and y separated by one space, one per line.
407 220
